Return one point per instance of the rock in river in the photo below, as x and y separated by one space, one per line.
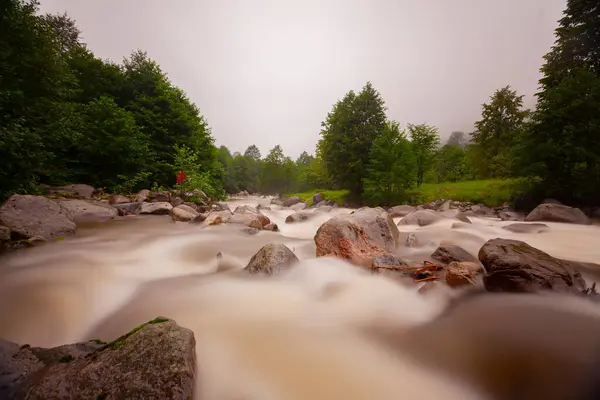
156 208
421 218
558 213
271 259
27 216
157 360
363 235
527 228
401 211
87 210
448 254
515 266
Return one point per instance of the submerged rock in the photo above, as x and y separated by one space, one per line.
271 259
222 216
157 360
297 217
461 216
271 227
421 218
448 254
27 216
462 273
527 228
128 208
558 213
298 207
401 211
515 266
364 235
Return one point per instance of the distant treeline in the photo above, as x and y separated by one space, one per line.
67 116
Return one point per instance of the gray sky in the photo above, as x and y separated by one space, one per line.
267 72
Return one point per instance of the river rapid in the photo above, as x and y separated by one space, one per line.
116 275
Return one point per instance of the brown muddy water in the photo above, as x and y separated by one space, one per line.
257 338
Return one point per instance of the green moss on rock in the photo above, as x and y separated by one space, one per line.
115 344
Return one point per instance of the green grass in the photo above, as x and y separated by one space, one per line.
492 192
115 344
337 196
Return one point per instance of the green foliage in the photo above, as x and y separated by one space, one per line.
278 172
451 164
492 192
561 150
197 177
424 142
339 197
347 137
391 168
497 134
68 117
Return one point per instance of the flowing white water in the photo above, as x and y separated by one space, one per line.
114 276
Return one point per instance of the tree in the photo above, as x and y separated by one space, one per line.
561 150
498 132
457 138
272 179
348 134
252 152
451 164
392 167
424 142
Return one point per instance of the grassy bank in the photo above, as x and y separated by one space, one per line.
337 196
491 192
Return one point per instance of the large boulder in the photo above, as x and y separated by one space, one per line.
271 259
177 201
290 201
221 206
317 198
323 209
448 254
514 266
358 237
128 208
527 228
245 209
78 190
159 208
142 196
277 201
401 211
29 216
271 227
510 216
156 360
87 210
118 199
558 213
183 213
257 221
421 218
461 216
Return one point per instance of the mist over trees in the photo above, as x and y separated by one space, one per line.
67 116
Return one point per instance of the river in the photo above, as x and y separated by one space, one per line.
113 276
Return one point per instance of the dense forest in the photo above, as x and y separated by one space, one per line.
67 116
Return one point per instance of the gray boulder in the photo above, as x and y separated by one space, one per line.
251 220
158 208
245 209
156 360
448 254
271 259
221 206
510 216
160 197
515 266
401 211
28 216
290 201
317 198
177 201
89 211
461 216
558 213
214 217
183 213
421 218
527 228
299 206
359 237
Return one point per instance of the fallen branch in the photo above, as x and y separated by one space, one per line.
428 279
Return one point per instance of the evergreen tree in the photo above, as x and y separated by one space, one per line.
348 134
392 167
498 132
562 148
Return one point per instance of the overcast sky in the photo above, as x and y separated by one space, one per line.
267 72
